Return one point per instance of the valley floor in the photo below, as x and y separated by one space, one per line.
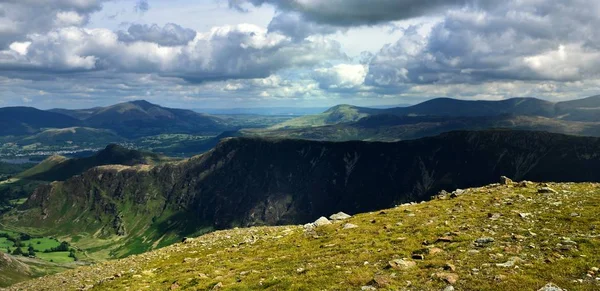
499 237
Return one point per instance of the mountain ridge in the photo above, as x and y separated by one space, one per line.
251 181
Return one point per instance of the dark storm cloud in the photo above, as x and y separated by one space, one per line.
169 35
346 13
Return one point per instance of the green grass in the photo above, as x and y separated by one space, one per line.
55 257
41 244
4 244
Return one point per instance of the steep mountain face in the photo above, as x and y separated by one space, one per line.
244 182
27 120
142 118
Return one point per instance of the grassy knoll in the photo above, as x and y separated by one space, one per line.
499 237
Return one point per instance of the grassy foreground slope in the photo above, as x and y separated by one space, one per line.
497 237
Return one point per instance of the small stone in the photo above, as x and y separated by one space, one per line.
574 214
450 278
449 288
174 286
595 269
510 263
483 241
349 226
523 184
494 216
518 237
339 216
550 287
300 270
368 288
445 239
435 251
401 264
321 221
217 286
524 215
449 267
380 281
547 190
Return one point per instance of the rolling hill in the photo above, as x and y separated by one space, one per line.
142 118
28 120
73 135
57 168
582 110
249 182
387 127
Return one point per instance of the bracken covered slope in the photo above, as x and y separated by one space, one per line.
498 237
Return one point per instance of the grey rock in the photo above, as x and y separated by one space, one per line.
402 264
551 287
505 180
349 226
448 288
484 240
547 190
321 221
339 216
510 263
367 288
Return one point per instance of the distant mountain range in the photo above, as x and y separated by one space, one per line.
584 110
132 121
141 118
247 181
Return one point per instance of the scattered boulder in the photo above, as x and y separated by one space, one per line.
547 190
368 288
449 267
321 221
401 264
494 216
217 286
339 216
505 180
446 239
510 263
449 288
380 281
450 278
484 241
349 226
551 287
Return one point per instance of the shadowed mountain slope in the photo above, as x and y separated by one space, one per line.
245 182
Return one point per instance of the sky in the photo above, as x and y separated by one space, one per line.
295 53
